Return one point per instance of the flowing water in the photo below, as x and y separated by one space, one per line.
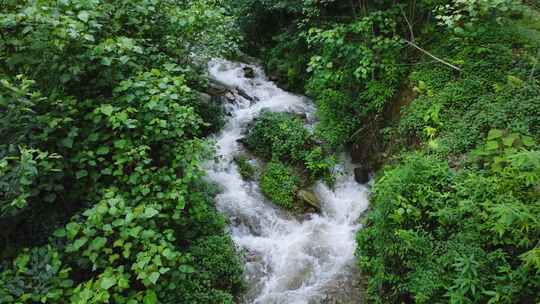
288 260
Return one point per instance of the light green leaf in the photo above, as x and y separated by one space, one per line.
150 297
102 150
81 173
72 230
153 277
186 269
79 243
492 145
528 141
107 282
150 212
83 16
97 243
107 109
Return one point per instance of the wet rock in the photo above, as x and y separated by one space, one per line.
361 175
273 77
216 88
309 198
229 96
249 72
205 98
245 95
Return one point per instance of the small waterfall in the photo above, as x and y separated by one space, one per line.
288 260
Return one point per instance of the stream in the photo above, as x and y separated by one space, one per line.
287 259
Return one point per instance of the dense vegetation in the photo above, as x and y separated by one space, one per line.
454 215
457 221
103 130
102 197
292 152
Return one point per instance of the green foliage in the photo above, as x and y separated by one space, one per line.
282 137
279 136
280 184
438 236
104 148
246 169
458 111
467 16
36 276
354 73
21 179
457 222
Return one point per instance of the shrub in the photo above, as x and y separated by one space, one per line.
279 136
280 184
433 234
282 137
104 148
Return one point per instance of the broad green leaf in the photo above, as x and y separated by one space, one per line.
150 297
79 243
83 16
186 269
492 145
153 277
107 282
107 109
81 173
528 141
72 230
97 243
102 150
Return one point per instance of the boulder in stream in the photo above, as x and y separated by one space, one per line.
205 98
246 95
249 72
361 175
216 88
309 198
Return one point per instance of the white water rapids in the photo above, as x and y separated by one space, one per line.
288 260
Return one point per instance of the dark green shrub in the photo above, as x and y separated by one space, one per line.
279 136
210 272
280 184
282 137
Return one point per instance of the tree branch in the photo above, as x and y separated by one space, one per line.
433 56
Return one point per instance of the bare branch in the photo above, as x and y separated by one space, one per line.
408 23
433 56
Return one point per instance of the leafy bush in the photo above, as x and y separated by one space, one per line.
279 136
280 184
356 64
458 221
104 147
282 137
463 237
36 276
